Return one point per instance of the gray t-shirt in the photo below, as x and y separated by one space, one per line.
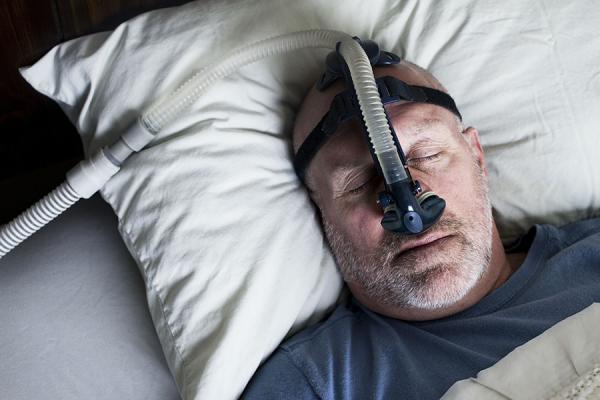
359 354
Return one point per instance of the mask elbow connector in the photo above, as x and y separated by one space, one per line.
407 214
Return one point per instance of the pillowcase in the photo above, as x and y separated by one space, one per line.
225 236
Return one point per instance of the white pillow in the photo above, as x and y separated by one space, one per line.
225 236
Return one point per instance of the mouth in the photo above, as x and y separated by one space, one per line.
424 243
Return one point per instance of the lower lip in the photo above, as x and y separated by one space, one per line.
436 242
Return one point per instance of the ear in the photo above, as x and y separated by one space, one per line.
471 135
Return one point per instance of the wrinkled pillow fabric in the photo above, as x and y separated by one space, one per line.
225 236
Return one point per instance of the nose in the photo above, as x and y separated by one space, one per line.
380 187
419 177
423 190
408 207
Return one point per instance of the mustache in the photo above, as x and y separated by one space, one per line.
391 242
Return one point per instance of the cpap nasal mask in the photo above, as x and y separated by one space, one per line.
403 212
407 210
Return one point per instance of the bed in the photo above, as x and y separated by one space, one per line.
224 280
75 323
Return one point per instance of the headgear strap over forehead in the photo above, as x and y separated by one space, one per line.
344 107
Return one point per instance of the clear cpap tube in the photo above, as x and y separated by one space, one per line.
169 108
166 110
90 175
373 112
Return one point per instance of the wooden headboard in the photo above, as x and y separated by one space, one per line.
37 142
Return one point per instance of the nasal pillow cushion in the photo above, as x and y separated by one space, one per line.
225 236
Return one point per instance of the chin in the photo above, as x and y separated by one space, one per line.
443 284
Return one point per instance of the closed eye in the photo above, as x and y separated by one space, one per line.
362 187
419 160
359 189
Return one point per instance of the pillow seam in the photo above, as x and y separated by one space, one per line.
153 289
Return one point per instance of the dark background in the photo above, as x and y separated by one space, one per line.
37 142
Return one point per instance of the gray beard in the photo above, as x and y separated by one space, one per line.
408 279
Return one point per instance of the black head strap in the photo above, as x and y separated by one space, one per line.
344 107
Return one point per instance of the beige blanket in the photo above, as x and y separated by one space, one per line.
561 363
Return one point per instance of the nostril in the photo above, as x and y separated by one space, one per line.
424 196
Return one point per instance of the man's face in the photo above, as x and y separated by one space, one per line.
377 264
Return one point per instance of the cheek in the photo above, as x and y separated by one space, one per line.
457 187
452 186
363 226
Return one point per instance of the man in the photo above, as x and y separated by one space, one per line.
431 309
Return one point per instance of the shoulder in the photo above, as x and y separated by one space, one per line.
306 365
577 242
344 317
279 378
574 232
582 229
